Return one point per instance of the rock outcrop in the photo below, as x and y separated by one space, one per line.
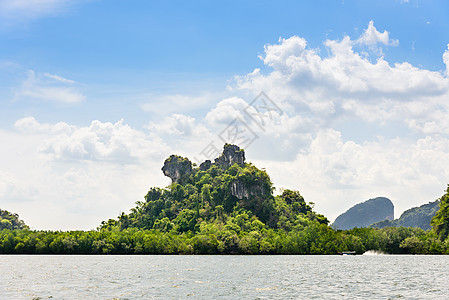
205 165
241 190
366 213
231 154
176 167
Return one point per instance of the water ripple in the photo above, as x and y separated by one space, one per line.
226 277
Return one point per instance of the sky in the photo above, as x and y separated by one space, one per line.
341 100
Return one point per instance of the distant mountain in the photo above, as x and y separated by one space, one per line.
413 217
365 214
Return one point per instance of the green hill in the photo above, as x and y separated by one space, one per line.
365 214
413 217
440 222
222 207
228 192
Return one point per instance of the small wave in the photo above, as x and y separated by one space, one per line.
374 252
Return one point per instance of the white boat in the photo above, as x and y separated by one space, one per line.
347 253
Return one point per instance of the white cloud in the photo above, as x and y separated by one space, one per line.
346 83
87 174
226 111
172 104
280 58
48 87
109 142
31 125
11 188
175 124
336 174
300 147
185 135
59 78
372 37
347 88
22 10
61 176
446 59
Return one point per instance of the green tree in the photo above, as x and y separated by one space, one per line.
440 222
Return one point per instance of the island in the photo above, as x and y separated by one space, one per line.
227 206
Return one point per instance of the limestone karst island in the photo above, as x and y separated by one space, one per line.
228 206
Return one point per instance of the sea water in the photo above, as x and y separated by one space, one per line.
223 277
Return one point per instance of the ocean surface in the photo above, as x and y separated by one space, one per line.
224 277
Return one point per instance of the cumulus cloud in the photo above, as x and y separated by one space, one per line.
346 88
235 120
299 143
226 111
185 134
176 124
336 174
116 142
12 188
48 87
80 175
31 125
346 82
446 59
176 103
372 37
113 142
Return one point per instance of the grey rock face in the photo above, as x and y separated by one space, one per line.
366 213
231 154
176 167
240 190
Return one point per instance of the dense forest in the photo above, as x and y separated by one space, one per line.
9 220
225 207
420 216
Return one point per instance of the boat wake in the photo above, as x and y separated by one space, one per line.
374 252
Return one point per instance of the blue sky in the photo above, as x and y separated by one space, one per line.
95 94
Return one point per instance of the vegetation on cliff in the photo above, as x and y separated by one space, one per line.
10 220
224 207
440 222
229 193
414 217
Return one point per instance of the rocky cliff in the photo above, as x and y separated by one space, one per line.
232 154
240 189
176 167
366 213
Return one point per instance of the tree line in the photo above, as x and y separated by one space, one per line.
313 238
223 208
